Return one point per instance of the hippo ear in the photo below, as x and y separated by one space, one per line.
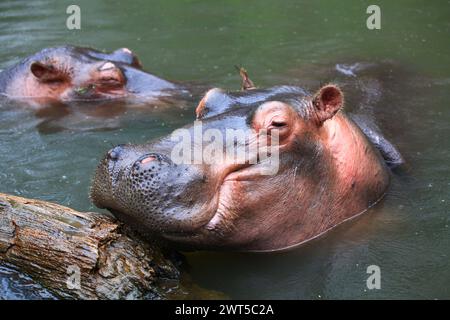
327 102
46 72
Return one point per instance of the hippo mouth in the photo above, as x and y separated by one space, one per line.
221 214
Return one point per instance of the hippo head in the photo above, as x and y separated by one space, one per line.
326 172
73 73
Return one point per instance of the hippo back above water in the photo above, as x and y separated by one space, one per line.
71 73
328 171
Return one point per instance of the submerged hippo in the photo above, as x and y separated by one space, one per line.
328 172
70 73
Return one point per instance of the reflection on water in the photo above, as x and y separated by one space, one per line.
51 157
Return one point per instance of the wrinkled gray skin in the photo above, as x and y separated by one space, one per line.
185 204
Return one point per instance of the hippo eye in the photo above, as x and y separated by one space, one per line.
278 124
275 117
111 82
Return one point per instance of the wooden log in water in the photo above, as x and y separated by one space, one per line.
80 255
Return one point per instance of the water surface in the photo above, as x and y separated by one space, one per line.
297 42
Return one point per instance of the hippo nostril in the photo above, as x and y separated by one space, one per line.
148 159
114 153
152 161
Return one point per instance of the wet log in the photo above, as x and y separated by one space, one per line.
82 255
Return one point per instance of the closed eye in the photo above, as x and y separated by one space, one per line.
278 124
55 81
110 81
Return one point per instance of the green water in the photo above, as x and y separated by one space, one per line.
279 42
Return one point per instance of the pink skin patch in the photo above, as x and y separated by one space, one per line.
147 160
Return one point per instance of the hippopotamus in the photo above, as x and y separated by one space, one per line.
70 73
329 171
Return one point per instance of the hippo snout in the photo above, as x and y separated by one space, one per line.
146 189
124 169
151 174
